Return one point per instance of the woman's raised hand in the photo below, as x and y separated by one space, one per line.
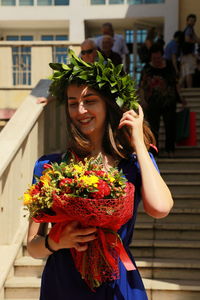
74 237
134 121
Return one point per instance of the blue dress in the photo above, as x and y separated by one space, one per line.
61 280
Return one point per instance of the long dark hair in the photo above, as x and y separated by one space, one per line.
116 142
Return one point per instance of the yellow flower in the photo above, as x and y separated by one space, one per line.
78 168
45 179
111 178
90 180
27 199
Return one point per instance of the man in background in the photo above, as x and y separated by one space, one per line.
119 44
88 51
107 52
188 59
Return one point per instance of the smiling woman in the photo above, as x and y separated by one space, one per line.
103 119
87 111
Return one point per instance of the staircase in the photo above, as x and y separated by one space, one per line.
167 251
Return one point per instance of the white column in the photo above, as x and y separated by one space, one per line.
76 30
76 24
171 19
6 67
41 57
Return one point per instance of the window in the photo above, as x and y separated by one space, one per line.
59 52
116 1
61 2
21 60
44 2
94 2
8 2
145 1
26 2
135 36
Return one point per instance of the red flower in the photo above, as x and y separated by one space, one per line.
100 173
37 188
64 183
47 166
103 190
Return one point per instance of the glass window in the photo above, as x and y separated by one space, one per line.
12 38
116 1
21 57
145 1
26 2
61 37
61 2
21 60
58 37
47 38
94 2
8 2
60 54
26 38
44 2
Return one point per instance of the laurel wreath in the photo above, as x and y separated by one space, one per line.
101 75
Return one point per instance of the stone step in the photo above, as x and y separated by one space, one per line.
186 201
28 266
191 218
172 289
162 139
165 289
178 163
186 187
150 268
190 91
163 231
169 269
22 287
172 249
181 152
180 175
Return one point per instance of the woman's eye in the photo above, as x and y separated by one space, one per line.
72 104
90 101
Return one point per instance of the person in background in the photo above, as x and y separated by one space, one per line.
172 51
88 51
88 54
159 92
119 44
107 52
188 58
98 126
144 49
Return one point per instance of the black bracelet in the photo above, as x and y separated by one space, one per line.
47 244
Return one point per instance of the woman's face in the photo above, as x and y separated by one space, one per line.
87 110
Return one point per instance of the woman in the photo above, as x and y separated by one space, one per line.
158 85
98 125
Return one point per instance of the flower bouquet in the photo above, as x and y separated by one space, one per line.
81 191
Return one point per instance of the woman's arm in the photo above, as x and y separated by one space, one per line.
72 237
157 199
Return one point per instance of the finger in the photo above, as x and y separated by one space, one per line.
85 239
80 247
85 231
126 122
140 111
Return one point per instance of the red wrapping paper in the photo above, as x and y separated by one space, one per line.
99 263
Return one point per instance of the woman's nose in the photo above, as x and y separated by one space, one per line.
81 108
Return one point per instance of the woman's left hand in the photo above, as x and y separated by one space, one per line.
134 122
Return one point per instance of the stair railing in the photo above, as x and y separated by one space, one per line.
33 130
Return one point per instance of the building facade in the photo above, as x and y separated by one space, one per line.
35 32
